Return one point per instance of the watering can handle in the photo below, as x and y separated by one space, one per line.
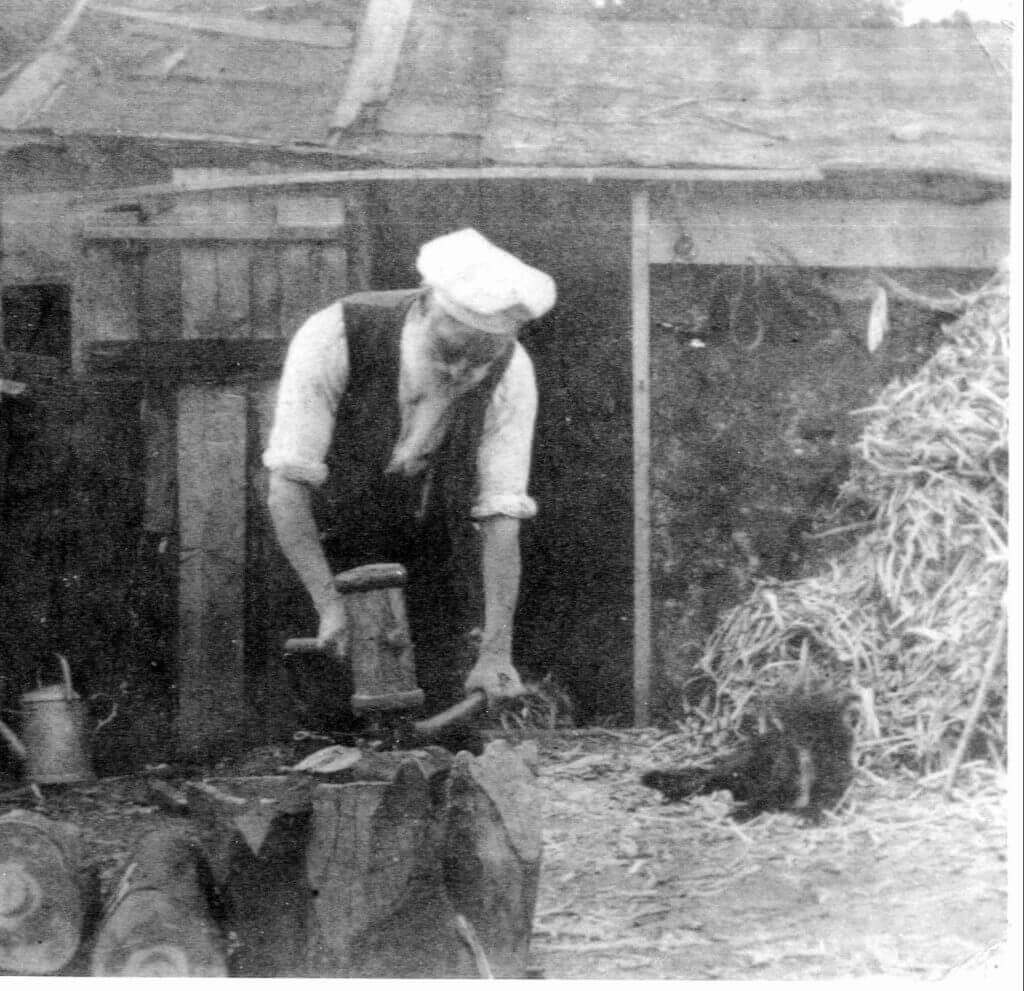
65 668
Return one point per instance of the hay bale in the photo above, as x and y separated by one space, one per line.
913 608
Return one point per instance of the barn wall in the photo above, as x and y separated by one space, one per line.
94 554
575 613
77 573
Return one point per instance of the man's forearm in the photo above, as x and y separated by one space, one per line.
501 572
291 512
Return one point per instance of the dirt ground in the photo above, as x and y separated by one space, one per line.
903 884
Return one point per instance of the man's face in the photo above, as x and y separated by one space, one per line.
461 354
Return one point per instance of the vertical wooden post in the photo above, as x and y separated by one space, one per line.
641 295
212 453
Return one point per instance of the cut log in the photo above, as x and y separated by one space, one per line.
492 852
414 864
158 921
379 908
255 837
46 893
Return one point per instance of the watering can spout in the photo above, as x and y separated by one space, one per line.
12 741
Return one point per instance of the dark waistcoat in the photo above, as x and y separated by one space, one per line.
423 523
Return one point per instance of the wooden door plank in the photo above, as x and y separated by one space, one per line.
106 297
211 509
212 494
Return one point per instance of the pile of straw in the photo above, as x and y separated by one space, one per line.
914 609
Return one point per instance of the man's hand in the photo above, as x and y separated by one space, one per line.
494 675
332 636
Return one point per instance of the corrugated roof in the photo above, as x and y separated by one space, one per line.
528 84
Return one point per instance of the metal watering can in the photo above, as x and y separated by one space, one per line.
54 743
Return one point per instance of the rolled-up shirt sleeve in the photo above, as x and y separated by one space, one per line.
313 379
503 461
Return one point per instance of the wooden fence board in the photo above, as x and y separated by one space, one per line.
729 228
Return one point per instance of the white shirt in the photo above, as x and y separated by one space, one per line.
315 377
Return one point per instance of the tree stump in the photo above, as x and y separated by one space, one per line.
409 864
492 852
46 893
379 905
256 844
158 922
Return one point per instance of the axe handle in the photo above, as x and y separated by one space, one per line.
302 645
469 706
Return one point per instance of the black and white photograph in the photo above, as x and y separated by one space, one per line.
510 489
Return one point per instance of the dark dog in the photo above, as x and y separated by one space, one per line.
801 762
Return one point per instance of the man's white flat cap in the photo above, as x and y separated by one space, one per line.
480 284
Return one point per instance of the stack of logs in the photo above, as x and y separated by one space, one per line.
418 864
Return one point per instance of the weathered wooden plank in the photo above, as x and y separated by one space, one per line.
193 360
233 278
211 616
265 296
345 177
265 565
923 98
227 232
159 460
641 296
727 229
212 476
333 260
299 264
36 246
451 69
106 298
358 241
198 272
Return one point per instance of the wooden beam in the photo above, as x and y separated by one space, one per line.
641 299
726 228
188 360
373 66
239 232
340 177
